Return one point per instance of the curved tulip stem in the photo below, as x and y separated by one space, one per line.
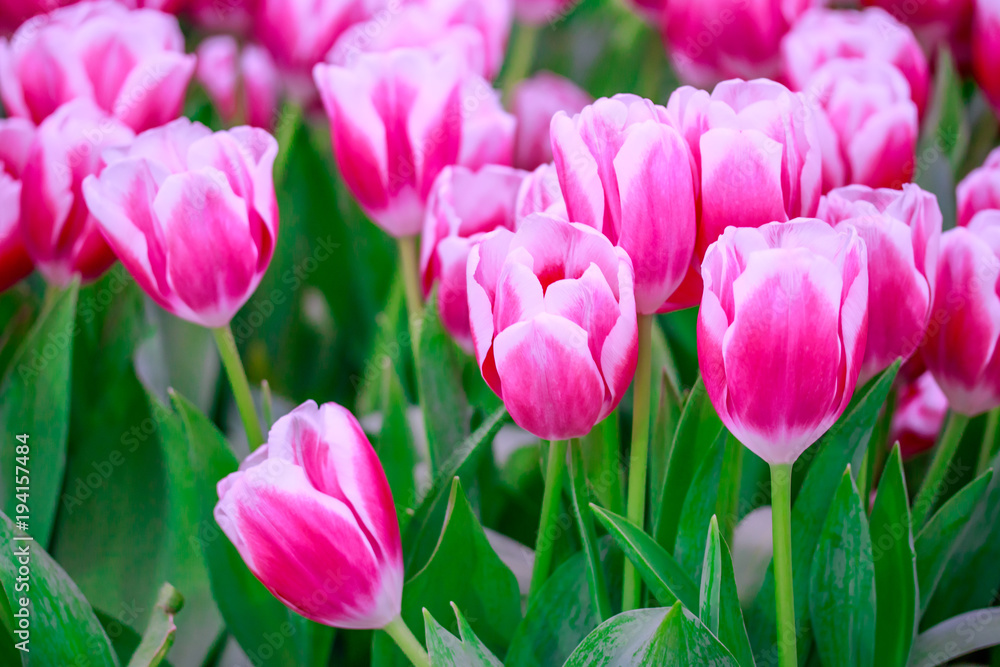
238 381
407 643
931 488
520 56
554 472
410 268
781 537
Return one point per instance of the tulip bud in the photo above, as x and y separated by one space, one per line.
986 50
535 102
781 332
312 516
920 413
980 189
192 216
463 207
237 82
130 63
902 234
15 140
553 322
398 118
608 156
961 343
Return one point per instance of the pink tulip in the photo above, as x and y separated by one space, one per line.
15 12
130 63
192 216
464 206
312 516
608 156
825 34
980 189
961 344
902 233
535 101
986 50
59 231
230 16
920 413
868 105
553 323
539 12
781 332
724 39
244 82
398 118
540 193
936 23
16 135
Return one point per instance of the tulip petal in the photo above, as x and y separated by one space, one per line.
578 175
154 91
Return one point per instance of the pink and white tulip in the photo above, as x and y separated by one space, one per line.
986 50
59 231
553 323
464 206
337 558
980 189
902 234
16 135
540 193
540 12
961 344
919 416
823 35
936 23
398 118
192 215
239 82
781 332
131 63
627 172
534 102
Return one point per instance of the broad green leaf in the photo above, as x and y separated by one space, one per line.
579 499
8 654
939 537
720 609
842 589
958 636
396 450
447 650
829 457
35 402
666 403
159 636
699 508
62 626
666 580
895 566
711 580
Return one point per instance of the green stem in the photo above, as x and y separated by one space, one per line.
267 403
931 488
729 495
554 472
410 268
636 507
238 381
585 524
612 460
988 449
407 643
520 56
781 537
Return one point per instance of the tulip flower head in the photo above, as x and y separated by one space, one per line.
312 516
535 101
540 193
919 415
237 81
782 331
980 189
553 322
15 140
986 50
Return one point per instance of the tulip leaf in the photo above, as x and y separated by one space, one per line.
719 605
446 650
842 588
829 457
62 626
662 637
939 537
958 636
396 450
665 578
35 403
699 508
895 566
579 499
261 624
160 633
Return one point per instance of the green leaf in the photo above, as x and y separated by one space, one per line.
396 450
958 636
666 579
939 537
62 625
35 401
464 570
895 566
579 499
842 589
720 603
699 508
446 650
829 457
711 580
160 633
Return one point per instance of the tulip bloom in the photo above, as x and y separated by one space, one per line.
534 102
337 558
986 50
60 233
920 412
15 140
463 208
192 216
607 157
980 189
781 332
553 322
244 82
540 193
961 344
130 63
398 118
902 234
936 23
